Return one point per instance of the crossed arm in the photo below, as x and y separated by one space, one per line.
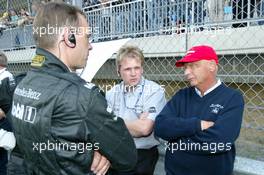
140 127
143 126
170 126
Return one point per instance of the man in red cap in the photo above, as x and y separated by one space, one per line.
201 122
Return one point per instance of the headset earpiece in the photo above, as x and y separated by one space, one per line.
72 39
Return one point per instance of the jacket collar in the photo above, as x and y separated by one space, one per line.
46 60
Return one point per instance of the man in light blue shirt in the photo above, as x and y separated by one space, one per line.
138 101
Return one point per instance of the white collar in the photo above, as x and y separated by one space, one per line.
218 83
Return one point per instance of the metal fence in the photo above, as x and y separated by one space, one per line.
165 30
115 19
147 17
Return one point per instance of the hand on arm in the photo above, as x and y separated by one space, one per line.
227 126
141 127
100 164
206 124
2 114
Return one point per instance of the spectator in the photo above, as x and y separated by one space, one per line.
138 101
260 10
4 19
199 12
106 19
201 123
228 11
65 112
7 87
24 17
216 10
86 3
240 11
178 16
13 18
152 22
4 73
7 139
23 13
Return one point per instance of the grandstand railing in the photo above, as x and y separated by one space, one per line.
139 18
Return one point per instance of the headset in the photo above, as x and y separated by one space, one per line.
72 40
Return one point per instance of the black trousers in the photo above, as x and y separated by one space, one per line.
147 159
3 161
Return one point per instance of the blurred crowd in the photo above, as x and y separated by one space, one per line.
202 10
19 17
13 18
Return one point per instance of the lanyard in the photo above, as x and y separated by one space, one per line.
136 106
138 98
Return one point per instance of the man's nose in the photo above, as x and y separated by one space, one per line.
90 47
186 71
133 72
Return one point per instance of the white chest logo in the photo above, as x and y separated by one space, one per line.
25 113
215 108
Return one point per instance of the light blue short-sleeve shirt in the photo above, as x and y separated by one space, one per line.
147 96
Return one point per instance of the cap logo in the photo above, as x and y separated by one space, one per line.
190 51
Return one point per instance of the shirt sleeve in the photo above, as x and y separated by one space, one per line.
109 96
154 103
7 140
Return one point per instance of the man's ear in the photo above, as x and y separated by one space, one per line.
66 37
118 70
212 66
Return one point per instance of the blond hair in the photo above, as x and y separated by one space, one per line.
129 51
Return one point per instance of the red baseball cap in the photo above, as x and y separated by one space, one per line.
198 53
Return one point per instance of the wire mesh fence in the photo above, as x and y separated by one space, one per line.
165 30
163 71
